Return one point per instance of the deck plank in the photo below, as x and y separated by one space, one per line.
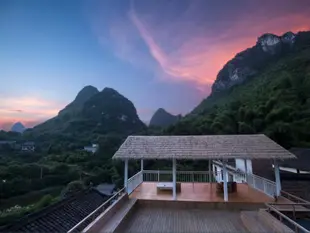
288 207
161 220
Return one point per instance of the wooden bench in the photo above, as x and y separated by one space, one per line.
168 186
231 187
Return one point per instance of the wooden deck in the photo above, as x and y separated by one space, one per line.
285 205
205 192
161 220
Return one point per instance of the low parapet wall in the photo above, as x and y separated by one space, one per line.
96 225
237 206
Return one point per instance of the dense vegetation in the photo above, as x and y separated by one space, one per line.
275 102
105 118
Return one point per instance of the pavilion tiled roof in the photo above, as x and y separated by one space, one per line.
61 216
303 159
254 146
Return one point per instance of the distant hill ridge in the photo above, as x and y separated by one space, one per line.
268 48
251 62
18 127
162 118
93 111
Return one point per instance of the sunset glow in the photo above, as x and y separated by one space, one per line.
140 48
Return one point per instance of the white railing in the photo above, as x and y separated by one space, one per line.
134 181
195 176
238 175
262 184
272 207
181 176
293 198
257 182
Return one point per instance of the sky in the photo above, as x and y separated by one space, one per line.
159 54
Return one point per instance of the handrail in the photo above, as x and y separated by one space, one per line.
294 197
297 226
134 181
227 165
170 172
242 172
156 171
95 211
301 204
181 176
263 178
134 176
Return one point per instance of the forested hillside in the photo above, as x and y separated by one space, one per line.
30 179
275 102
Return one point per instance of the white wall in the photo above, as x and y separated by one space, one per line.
240 165
218 176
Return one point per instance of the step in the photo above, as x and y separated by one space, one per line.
118 217
262 222
253 223
273 222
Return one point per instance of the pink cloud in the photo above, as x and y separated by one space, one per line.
28 110
199 59
190 46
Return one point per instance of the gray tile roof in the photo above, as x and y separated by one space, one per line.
255 146
105 189
303 159
61 216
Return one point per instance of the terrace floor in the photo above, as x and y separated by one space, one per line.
205 192
161 220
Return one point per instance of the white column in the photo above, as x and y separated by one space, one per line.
246 170
174 176
141 164
126 175
277 176
210 173
225 181
142 175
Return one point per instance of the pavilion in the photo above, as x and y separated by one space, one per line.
202 147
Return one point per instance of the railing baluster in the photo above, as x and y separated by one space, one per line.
158 176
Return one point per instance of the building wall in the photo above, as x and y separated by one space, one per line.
219 173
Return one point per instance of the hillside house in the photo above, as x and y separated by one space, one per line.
4 145
93 148
28 147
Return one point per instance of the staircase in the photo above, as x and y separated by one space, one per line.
262 222
299 188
